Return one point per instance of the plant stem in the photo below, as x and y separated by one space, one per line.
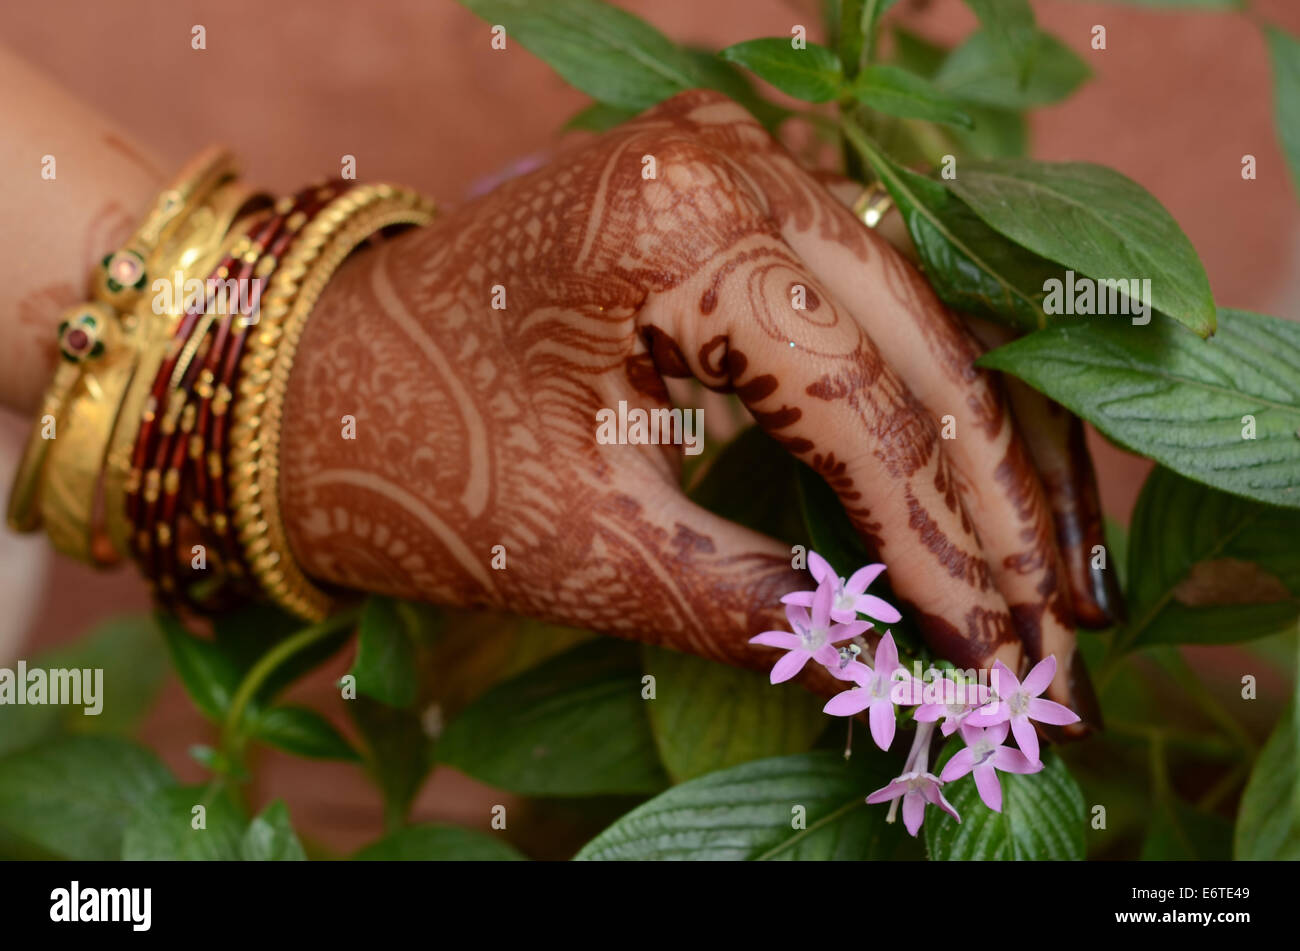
231 736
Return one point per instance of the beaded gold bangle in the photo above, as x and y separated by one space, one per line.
346 223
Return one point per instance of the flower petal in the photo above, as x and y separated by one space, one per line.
789 665
843 632
883 723
861 579
1049 711
913 812
886 656
1012 761
798 617
848 703
802 598
855 671
986 781
821 606
962 762
878 608
1026 737
1040 678
782 639
819 567
886 793
1003 681
929 712
990 714
827 656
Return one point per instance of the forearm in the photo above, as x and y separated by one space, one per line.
77 185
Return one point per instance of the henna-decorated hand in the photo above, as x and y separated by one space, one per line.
476 427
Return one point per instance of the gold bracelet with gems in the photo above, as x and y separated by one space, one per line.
58 478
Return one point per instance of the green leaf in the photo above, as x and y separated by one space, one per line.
978 71
399 754
1096 221
970 266
1268 821
302 732
134 665
731 82
610 55
752 812
385 666
210 676
915 53
897 92
707 716
1207 567
1042 818
74 796
998 134
270 837
1010 27
575 726
1177 399
164 827
1284 51
812 74
439 843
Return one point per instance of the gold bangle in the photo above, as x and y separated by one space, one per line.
194 251
316 254
95 333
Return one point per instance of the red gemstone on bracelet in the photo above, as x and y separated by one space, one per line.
77 342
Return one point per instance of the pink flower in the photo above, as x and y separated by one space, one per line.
916 789
814 637
872 692
1019 703
849 597
953 701
984 755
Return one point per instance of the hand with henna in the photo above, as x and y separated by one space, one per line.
476 353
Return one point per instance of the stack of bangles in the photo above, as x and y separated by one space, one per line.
158 438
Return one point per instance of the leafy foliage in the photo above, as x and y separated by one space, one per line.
1042 818
1179 400
754 812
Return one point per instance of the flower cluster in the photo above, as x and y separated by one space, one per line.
826 625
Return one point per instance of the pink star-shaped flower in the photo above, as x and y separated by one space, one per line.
1018 703
814 637
873 691
917 789
953 701
849 598
984 755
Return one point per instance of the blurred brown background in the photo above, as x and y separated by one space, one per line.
411 88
